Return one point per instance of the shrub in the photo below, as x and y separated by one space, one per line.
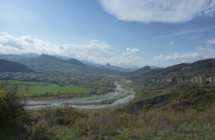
38 131
11 108
126 120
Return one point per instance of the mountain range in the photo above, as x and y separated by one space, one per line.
45 62
198 71
10 66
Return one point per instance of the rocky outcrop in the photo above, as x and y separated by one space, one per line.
194 79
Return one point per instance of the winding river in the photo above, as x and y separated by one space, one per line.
121 95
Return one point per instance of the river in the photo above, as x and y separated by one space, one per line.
121 95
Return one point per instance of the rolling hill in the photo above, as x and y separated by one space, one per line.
206 67
138 72
45 63
196 72
16 57
10 66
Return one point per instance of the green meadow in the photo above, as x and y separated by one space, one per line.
28 88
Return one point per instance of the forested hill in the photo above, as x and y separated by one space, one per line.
48 59
138 72
10 66
202 67
75 62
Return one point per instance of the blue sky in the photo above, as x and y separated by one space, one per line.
121 32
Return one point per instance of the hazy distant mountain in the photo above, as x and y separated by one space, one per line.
49 59
143 69
107 66
60 63
75 62
44 63
155 67
9 66
42 59
15 57
91 63
138 72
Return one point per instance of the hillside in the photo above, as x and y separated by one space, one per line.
142 70
15 57
75 62
9 66
46 63
206 66
179 87
197 72
138 72
42 59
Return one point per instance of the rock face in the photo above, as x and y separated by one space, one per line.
194 79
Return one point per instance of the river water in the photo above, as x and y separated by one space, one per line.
121 94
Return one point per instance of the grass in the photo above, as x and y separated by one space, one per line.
28 88
69 123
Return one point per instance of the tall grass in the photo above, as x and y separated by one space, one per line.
80 124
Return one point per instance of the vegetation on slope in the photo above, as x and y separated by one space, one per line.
202 67
10 66
166 118
138 72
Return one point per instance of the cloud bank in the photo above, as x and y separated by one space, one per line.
98 52
166 11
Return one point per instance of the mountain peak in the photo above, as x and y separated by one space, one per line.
75 62
108 64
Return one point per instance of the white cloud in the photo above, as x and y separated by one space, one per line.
207 51
174 59
4 33
211 41
93 51
125 53
26 44
97 52
172 42
166 11
134 50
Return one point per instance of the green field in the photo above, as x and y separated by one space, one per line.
27 88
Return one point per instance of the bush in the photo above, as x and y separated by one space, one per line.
11 108
38 131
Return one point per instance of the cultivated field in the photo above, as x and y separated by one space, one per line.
27 88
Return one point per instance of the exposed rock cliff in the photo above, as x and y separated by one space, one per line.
194 79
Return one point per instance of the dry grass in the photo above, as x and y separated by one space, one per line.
144 125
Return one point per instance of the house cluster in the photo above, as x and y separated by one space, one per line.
24 76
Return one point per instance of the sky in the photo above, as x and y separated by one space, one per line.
126 33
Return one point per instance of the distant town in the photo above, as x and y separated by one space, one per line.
24 76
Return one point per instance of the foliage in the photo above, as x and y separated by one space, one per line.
9 66
38 131
11 108
63 116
